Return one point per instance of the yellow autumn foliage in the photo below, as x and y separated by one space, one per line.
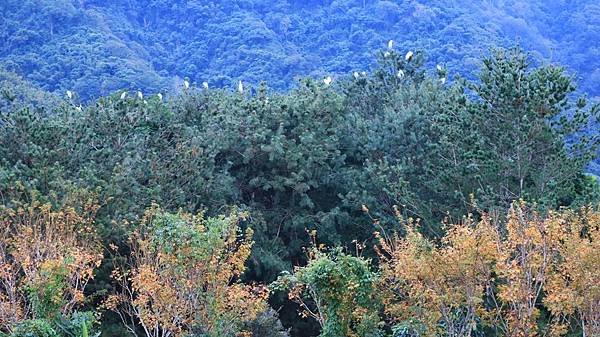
183 275
47 257
426 282
496 274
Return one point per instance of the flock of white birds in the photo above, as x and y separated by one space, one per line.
327 80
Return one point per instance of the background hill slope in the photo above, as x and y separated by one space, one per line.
94 47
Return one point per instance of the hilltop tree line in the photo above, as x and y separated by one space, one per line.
387 203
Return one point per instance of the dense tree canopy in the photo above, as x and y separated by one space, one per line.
344 158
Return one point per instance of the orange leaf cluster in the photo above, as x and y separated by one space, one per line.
175 284
46 254
573 285
497 273
429 283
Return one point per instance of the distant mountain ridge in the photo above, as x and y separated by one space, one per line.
94 47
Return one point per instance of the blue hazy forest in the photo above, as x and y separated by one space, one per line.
292 168
97 47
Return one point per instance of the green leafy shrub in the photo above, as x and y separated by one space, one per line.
337 290
34 328
78 324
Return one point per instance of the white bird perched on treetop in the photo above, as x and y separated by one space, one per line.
79 108
205 85
390 44
356 75
386 54
364 73
140 95
159 96
409 55
186 84
439 67
124 94
400 73
240 87
327 80
443 80
69 94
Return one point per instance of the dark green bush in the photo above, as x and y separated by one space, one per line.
34 328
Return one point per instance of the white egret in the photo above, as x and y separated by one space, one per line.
79 108
390 44
205 85
327 80
240 87
124 94
443 80
159 96
439 67
140 95
356 75
364 73
386 54
400 73
186 84
409 55
69 94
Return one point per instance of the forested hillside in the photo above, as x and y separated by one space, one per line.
300 168
95 47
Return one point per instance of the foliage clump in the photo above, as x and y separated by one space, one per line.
495 277
47 257
336 289
183 276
